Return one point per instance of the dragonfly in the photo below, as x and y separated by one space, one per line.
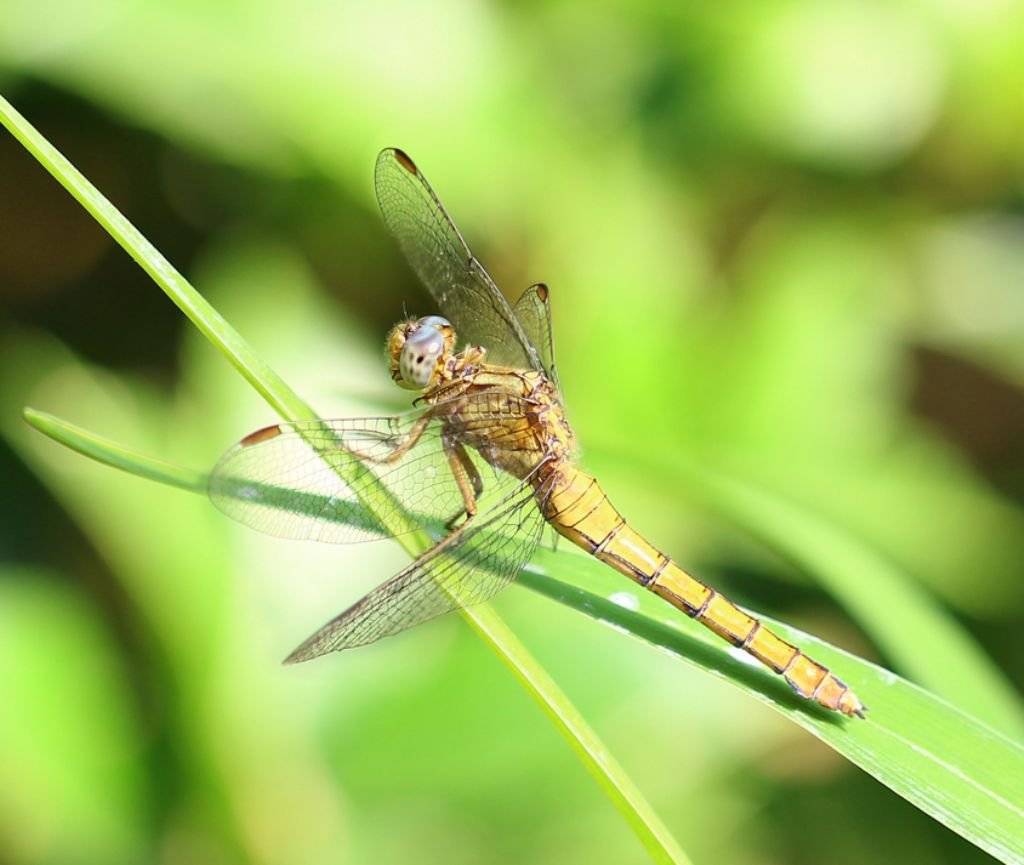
483 462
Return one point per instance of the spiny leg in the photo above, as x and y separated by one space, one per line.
467 478
400 449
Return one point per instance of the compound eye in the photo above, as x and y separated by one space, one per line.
419 356
436 321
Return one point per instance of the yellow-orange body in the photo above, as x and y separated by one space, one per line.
536 442
343 480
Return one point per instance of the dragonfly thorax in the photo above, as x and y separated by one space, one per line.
418 351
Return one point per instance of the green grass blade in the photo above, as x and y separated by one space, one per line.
956 769
637 812
109 453
208 321
953 767
612 779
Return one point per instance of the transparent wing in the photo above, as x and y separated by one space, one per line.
533 312
461 570
341 481
436 250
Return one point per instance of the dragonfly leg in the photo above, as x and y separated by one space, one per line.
400 449
467 478
554 539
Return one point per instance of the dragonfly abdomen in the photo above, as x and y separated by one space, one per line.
579 510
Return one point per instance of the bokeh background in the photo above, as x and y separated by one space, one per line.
786 237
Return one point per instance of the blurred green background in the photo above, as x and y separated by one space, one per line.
782 237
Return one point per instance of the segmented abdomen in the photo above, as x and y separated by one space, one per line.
577 507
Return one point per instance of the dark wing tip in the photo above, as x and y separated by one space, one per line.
403 159
542 291
261 435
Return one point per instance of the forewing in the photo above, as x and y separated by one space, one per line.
459 571
437 252
333 481
533 312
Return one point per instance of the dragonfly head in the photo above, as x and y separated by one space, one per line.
418 350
